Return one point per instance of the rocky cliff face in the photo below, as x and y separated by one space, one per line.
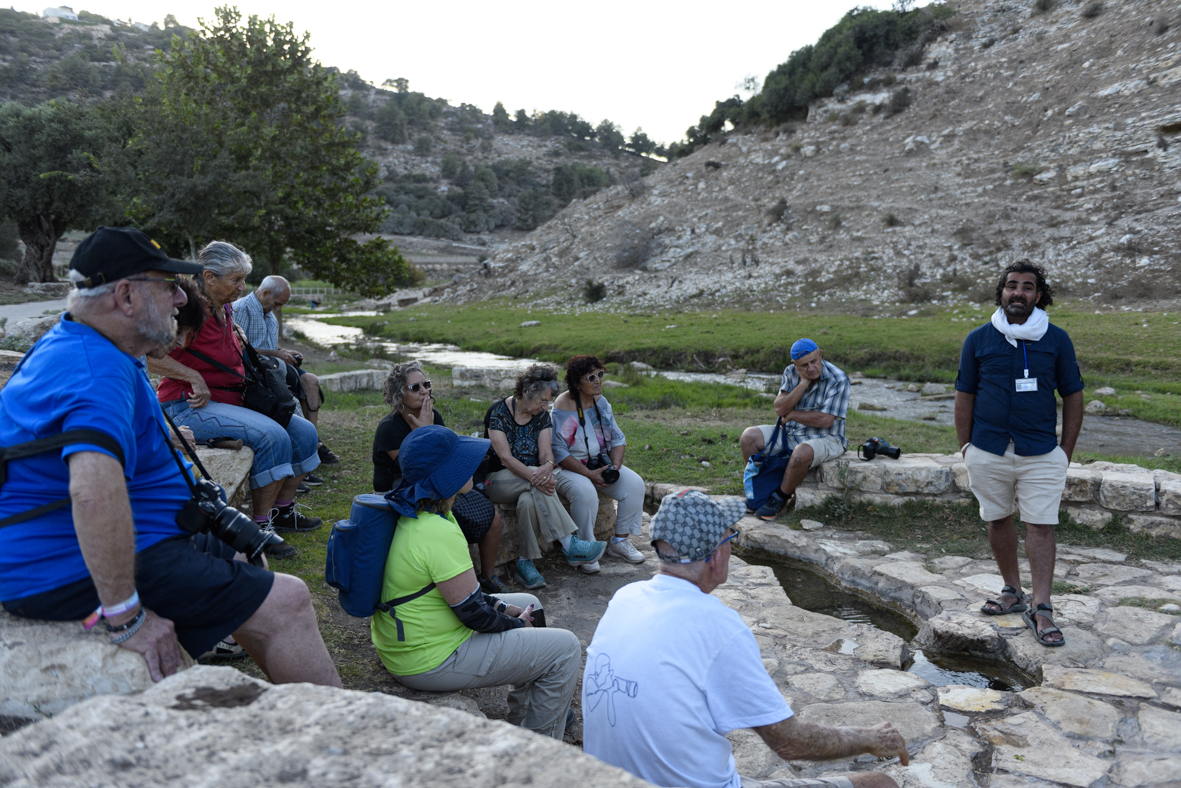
1054 136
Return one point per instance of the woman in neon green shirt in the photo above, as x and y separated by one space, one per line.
452 636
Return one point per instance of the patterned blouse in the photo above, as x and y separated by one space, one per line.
522 439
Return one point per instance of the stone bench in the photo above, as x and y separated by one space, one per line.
509 542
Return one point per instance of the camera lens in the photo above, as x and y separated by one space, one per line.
610 475
239 532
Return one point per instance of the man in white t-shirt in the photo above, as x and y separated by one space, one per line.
671 671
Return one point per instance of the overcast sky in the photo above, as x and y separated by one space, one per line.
656 65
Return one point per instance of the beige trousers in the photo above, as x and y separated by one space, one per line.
539 516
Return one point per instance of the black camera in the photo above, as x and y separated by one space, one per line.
875 446
298 359
610 476
208 511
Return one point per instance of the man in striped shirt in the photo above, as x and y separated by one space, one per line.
812 403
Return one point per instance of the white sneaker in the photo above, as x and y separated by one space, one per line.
590 568
626 550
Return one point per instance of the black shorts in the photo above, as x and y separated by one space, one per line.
193 581
474 514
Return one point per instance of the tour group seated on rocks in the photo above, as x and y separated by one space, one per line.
202 390
95 521
520 429
408 393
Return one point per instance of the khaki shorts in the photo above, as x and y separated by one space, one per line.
1036 482
823 449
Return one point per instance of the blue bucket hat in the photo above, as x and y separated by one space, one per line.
435 463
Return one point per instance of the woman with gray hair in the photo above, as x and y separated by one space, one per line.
202 390
407 391
519 428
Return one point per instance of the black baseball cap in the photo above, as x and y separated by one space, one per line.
111 253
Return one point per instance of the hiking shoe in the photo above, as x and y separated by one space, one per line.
291 521
527 575
312 480
591 568
223 650
279 549
302 489
626 550
776 503
492 585
583 552
327 455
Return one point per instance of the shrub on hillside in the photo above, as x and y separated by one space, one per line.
594 291
631 244
899 101
1092 9
777 211
423 145
1024 171
890 220
1043 6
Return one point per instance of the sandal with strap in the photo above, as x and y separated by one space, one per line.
1017 607
1044 611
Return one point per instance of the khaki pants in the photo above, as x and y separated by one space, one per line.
584 501
541 664
539 516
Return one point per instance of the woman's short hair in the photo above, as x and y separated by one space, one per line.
394 389
221 258
577 368
536 379
192 315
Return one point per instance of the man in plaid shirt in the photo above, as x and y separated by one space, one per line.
813 401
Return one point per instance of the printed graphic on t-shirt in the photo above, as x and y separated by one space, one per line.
604 684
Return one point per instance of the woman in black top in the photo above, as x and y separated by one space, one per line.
408 393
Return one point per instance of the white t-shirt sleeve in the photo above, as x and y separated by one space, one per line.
738 690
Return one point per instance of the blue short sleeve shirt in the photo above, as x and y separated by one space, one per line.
74 378
990 368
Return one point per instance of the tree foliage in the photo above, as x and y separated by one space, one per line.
241 138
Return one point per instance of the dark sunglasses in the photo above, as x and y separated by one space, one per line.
426 384
595 377
170 281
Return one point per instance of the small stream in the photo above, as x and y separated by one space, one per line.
1120 436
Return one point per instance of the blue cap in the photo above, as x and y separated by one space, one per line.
435 464
801 348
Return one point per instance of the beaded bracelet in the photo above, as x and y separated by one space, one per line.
136 623
125 625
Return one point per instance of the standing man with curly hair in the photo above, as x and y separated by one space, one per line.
1005 419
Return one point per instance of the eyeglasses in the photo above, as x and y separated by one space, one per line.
734 535
426 384
595 377
170 281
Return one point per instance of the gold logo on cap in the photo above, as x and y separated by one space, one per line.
154 243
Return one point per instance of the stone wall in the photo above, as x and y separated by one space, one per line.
356 380
1148 500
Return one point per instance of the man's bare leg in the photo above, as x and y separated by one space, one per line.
284 639
1041 550
751 442
1002 537
797 468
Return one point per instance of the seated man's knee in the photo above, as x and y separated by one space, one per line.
290 594
752 439
802 455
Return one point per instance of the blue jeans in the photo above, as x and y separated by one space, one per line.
278 453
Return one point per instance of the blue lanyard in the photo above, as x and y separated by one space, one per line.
1026 354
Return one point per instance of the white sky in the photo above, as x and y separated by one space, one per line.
656 65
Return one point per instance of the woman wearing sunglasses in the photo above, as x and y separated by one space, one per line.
407 391
589 445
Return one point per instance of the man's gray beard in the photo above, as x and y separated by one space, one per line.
157 327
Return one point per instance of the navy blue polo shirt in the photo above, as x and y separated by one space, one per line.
990 367
75 378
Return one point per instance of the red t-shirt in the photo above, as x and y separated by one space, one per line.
218 342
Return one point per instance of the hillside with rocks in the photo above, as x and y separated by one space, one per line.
1053 135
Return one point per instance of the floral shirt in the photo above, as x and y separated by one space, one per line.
522 439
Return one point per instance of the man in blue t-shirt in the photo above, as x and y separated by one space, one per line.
671 670
1005 419
89 531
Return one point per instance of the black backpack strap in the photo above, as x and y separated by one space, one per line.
51 443
389 607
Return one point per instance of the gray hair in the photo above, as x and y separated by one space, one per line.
393 391
275 284
222 258
80 299
536 379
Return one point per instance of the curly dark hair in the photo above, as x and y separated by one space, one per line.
577 368
192 315
535 380
1027 266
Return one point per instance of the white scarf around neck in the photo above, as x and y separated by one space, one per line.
1033 329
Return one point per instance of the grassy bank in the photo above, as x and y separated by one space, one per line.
1135 353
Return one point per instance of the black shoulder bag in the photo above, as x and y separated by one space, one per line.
264 386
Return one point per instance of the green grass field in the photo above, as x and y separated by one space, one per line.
1133 352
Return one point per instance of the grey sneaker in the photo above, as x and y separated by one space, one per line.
527 575
592 568
626 550
583 552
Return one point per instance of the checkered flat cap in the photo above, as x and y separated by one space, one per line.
694 523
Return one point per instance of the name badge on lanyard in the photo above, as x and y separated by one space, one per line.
1026 383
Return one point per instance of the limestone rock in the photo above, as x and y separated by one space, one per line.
822 686
230 469
915 474
1095 682
912 720
1082 648
1081 485
239 732
888 683
972 699
1096 518
962 482
1076 609
1168 527
883 649
1169 493
811 525
488 377
1171 696
55 289
965 633
1161 729
1149 664
1106 391
938 765
988 584
357 380
1109 574
530 324
8 361
1141 771
1128 492
898 579
1134 625
753 757
1075 714
46 667
1025 745
1097 553
929 600
930 389
23 334
1095 408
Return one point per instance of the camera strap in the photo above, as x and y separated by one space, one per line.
582 423
189 450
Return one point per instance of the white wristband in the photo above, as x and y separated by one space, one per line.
117 610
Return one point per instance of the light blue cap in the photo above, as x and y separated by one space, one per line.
801 348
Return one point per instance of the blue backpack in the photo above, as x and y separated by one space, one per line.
357 550
764 471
